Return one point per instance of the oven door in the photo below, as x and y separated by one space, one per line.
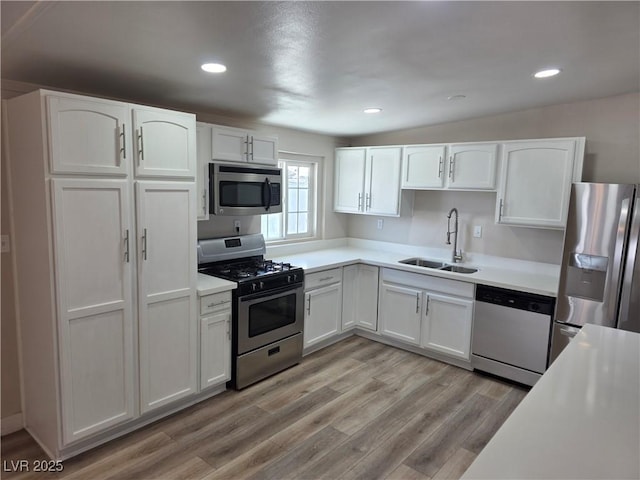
236 190
267 317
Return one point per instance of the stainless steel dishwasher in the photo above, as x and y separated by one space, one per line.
511 332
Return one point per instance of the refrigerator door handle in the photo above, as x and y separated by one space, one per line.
629 316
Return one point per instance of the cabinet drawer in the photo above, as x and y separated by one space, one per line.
215 302
326 277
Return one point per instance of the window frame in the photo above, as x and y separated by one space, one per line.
284 161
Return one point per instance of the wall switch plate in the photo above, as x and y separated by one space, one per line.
477 231
6 246
380 223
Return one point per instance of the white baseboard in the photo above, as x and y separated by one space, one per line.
11 424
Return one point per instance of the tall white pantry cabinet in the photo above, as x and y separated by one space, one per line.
104 219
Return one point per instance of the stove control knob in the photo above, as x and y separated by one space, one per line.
295 277
261 285
288 278
254 287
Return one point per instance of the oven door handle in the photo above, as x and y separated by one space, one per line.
270 293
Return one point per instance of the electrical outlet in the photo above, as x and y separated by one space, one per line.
380 223
477 231
6 246
236 225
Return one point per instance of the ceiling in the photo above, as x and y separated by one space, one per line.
316 65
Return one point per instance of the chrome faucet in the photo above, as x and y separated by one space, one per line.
455 256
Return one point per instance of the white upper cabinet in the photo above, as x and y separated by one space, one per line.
165 143
423 167
367 180
203 148
535 181
472 166
238 145
349 181
457 167
88 136
382 181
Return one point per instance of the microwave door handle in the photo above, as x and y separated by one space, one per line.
268 188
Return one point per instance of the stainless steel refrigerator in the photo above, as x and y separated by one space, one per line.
600 270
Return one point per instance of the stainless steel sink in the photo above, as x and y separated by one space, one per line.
436 265
458 269
423 262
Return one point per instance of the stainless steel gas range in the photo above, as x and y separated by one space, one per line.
268 310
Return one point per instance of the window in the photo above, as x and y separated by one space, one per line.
298 216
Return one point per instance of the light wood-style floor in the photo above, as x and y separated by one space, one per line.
357 409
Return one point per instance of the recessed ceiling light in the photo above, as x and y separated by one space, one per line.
551 72
372 110
456 97
213 67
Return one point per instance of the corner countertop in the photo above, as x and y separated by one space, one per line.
208 285
541 279
581 420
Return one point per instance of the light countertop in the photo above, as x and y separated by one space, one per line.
208 285
580 421
525 278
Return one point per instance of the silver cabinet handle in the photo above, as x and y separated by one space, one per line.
126 246
204 202
246 148
309 305
141 145
123 143
426 308
367 201
500 210
417 302
440 165
228 333
325 279
144 244
450 166
359 201
251 147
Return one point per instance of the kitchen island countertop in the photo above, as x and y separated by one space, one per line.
581 420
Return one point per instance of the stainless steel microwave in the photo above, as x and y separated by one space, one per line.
244 190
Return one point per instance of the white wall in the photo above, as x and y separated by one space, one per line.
611 126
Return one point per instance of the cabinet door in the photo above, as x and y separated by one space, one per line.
167 296
349 180
165 143
322 317
360 297
472 166
535 183
203 150
367 297
400 312
215 349
89 136
94 256
382 187
230 144
423 167
263 149
447 325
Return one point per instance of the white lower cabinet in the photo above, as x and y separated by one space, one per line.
360 297
433 313
322 306
447 325
400 312
215 339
